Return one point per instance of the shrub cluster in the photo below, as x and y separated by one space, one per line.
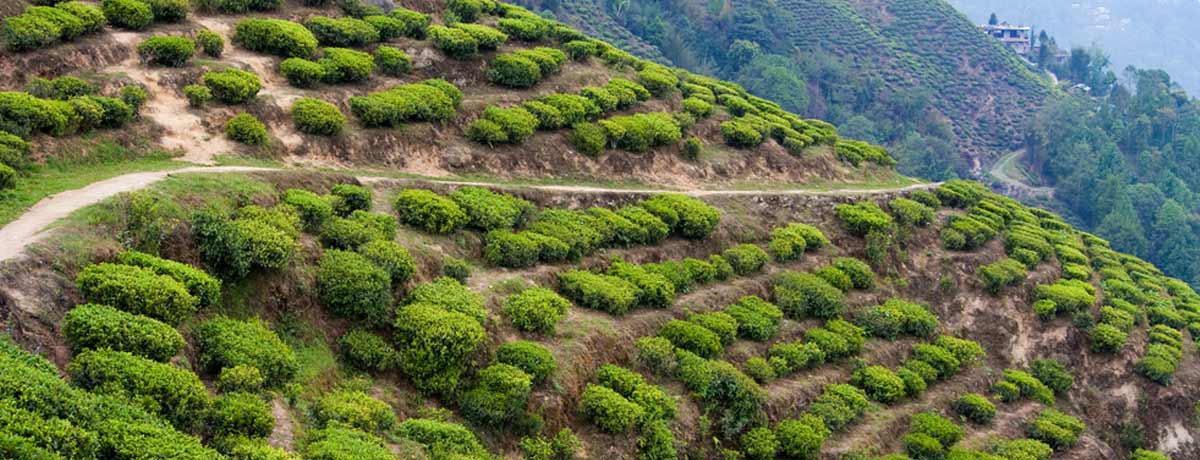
488 210
367 351
500 395
238 6
931 436
245 128
642 131
177 394
745 258
233 247
316 116
879 383
756 318
43 26
998 275
1163 354
413 23
1019 384
340 442
350 286
240 378
863 217
302 73
342 32
226 342
525 68
200 284
975 407
430 100
167 51
911 213
233 86
898 317
536 310
392 61
530 357
89 327
600 292
807 295
429 211
435 343
211 43
1056 429
839 405
686 216
1068 296
344 65
137 290
275 36
448 439
355 409
692 337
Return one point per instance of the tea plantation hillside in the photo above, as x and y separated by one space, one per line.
305 315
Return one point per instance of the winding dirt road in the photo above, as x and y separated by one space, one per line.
31 226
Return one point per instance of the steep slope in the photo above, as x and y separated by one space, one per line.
907 50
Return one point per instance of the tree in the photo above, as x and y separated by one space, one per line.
992 20
1176 244
1122 228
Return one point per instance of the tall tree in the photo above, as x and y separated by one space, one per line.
1122 228
1176 247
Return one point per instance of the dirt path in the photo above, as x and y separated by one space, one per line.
1006 170
27 229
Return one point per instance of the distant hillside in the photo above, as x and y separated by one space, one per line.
1158 37
890 69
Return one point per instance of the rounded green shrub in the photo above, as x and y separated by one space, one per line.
175 394
390 256
392 61
975 407
240 378
343 31
167 51
759 444
692 337
880 383
339 442
137 290
514 71
414 22
610 411
688 217
449 293
367 351
200 284
313 209
452 439
455 42
233 86
245 128
197 95
355 409
128 14
921 446
350 286
802 437
1107 338
302 73
240 414
434 345
536 310
488 210
588 138
835 278
805 294
275 36
499 396
605 293
226 342
641 132
1056 429
528 356
1053 374
429 211
316 116
861 275
8 177
345 234
91 326
456 269
211 43
756 318
344 65
745 258
863 217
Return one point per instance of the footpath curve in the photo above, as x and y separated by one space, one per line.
30 227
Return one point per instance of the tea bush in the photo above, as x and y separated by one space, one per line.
435 344
805 294
211 43
429 100
233 86
530 357
344 65
316 116
226 342
343 31
429 211
355 409
177 394
642 131
279 37
90 326
600 292
367 351
392 61
302 73
167 51
863 217
137 290
240 414
245 128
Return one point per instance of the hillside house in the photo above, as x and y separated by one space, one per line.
1019 38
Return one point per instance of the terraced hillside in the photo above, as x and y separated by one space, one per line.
461 231
903 50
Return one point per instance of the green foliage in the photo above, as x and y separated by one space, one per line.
937 427
429 211
42 26
911 213
835 277
211 43
610 411
688 217
240 414
434 344
692 337
313 209
654 290
89 327
1029 386
801 438
355 409
8 177
601 292
454 41
279 37
921 446
805 294
429 100
975 407
234 247
721 323
233 86
786 244
443 440
1142 454
880 383
589 138
367 351
530 357
240 378
1056 429
226 342
392 61
1053 374
488 210
896 317
756 318
746 258
167 51
316 116
339 442
302 73
996 276
344 65
245 128
414 22
759 444
642 131
128 14
656 442
197 95
175 394
203 286
1067 297
499 396
563 446
137 290
536 310
863 217
343 31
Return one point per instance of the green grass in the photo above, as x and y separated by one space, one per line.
891 181
104 161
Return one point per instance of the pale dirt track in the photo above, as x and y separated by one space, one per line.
29 228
